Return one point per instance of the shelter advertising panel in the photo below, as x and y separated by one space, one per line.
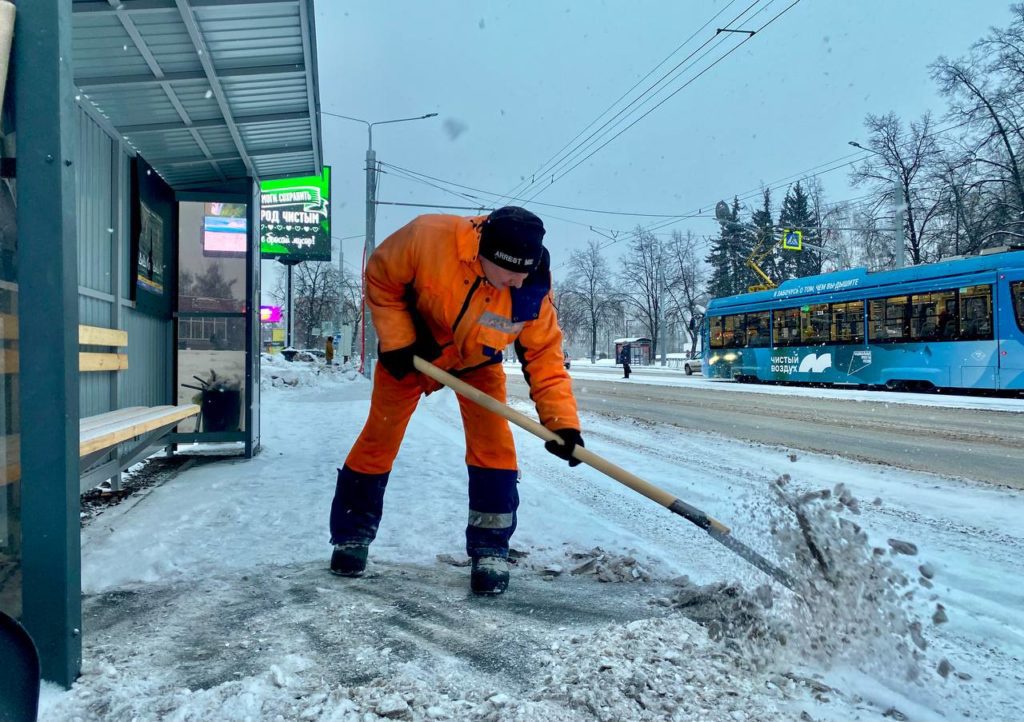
295 218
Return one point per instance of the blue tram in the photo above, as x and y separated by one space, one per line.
958 323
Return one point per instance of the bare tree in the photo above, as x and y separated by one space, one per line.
316 292
829 221
642 281
590 285
687 279
898 162
984 90
571 310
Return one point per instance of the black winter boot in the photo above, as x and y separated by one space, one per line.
349 560
489 575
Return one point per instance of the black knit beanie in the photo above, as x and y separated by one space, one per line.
512 237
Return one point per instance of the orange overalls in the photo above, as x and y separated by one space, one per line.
431 266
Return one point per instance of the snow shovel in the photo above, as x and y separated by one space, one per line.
19 683
715 529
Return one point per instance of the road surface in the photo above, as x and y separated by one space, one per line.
984 445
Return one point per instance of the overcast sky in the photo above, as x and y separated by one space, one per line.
514 82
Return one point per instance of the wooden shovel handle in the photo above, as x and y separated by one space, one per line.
588 457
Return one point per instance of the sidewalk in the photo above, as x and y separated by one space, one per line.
210 598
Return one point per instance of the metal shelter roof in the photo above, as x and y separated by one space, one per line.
205 90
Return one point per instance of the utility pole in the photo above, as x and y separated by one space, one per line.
369 350
341 290
899 202
369 332
291 309
661 312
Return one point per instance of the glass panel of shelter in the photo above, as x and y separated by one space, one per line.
211 307
10 455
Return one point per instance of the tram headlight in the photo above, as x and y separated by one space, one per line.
730 356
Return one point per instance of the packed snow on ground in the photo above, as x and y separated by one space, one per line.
208 597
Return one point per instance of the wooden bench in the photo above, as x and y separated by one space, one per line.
101 434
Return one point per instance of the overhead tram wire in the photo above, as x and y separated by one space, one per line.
622 116
671 95
514 198
673 219
485 204
541 170
645 97
788 180
746 195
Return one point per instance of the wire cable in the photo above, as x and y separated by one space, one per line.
542 169
669 97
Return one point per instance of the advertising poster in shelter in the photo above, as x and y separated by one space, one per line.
150 274
224 230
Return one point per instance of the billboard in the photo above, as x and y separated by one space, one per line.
270 314
224 230
295 218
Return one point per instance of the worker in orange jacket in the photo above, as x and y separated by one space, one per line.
456 291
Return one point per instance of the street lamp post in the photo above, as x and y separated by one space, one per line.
897 209
369 333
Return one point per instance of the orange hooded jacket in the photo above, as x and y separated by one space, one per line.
431 265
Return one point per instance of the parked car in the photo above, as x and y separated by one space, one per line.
693 366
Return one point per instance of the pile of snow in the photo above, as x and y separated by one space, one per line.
851 603
304 370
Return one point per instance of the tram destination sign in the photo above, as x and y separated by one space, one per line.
295 218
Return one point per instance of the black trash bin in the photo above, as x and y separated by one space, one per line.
221 407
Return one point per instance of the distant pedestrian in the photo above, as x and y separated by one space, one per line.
624 358
329 351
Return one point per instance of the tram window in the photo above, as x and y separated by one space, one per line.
889 318
787 327
815 321
732 331
976 313
757 329
848 322
933 315
1017 292
715 324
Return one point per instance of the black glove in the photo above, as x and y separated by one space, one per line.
425 346
571 437
398 363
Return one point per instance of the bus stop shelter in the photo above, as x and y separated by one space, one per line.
639 350
134 137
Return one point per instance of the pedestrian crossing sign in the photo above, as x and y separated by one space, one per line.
792 240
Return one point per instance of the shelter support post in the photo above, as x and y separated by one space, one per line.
48 336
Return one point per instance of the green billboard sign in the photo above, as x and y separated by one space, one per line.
295 218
